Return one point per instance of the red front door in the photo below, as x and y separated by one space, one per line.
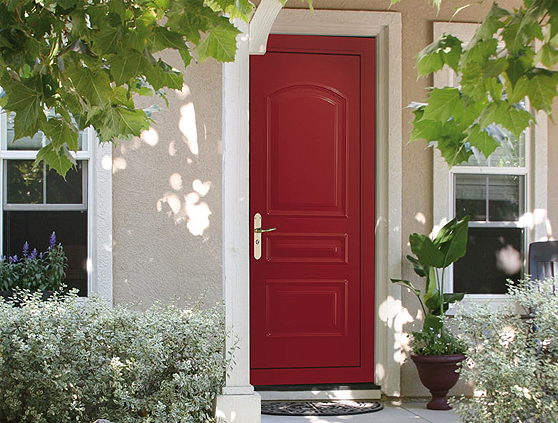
312 178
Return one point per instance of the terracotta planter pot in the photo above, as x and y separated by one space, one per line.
438 373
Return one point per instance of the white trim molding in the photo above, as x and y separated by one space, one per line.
386 27
261 23
100 219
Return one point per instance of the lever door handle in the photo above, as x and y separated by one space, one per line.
258 231
261 231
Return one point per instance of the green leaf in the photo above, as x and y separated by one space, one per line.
434 303
455 246
120 122
27 105
443 104
432 323
547 55
553 18
219 43
108 40
481 140
446 50
162 75
511 118
425 250
118 8
164 38
491 23
520 31
429 130
480 52
417 266
495 67
539 86
516 69
408 285
186 57
472 82
234 9
60 132
93 85
126 66
454 152
59 159
453 297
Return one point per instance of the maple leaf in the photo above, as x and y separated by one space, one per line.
220 43
443 104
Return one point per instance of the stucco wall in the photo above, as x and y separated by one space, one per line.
167 197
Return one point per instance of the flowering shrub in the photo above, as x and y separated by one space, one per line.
64 360
34 271
513 359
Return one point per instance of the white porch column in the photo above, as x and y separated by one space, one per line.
239 403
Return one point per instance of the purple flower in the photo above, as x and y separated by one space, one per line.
25 249
52 240
34 254
13 259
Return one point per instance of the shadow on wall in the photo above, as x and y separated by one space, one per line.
167 196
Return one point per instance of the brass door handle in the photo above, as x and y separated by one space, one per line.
261 231
258 231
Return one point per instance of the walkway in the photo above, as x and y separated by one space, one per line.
393 412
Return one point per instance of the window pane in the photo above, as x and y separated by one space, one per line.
69 191
511 152
505 202
493 256
24 183
25 143
470 196
35 227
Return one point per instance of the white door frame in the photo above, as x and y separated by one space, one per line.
238 396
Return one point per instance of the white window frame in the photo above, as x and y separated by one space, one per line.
97 202
534 220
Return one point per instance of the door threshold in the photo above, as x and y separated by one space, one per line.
354 391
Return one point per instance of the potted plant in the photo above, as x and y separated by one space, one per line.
437 353
34 271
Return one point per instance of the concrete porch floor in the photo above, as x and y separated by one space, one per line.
393 412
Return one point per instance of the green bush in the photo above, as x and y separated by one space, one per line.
71 360
513 358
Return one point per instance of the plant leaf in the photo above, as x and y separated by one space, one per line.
425 250
59 159
219 43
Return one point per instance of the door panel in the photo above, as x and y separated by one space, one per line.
308 317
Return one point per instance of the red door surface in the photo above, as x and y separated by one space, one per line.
312 178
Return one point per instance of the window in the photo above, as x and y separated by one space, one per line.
501 193
493 193
38 201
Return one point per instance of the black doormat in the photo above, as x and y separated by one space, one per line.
319 408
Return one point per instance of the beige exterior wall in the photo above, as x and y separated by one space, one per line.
163 244
167 197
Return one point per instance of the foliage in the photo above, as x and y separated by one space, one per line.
513 359
34 271
510 58
69 64
68 360
432 259
430 342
